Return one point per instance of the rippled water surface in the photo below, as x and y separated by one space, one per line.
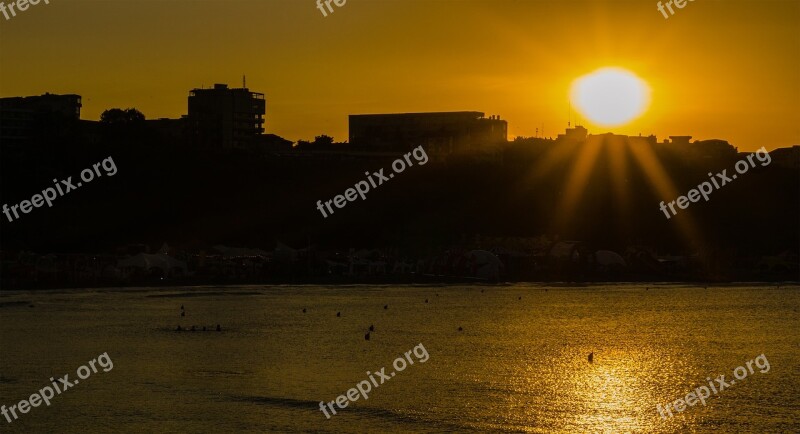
518 365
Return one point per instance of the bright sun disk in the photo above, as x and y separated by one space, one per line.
610 96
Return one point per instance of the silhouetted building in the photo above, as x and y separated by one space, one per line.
640 140
271 143
714 149
786 157
574 135
20 115
444 132
171 130
702 149
680 140
227 118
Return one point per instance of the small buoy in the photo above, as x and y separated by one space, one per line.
591 357
181 307
460 329
372 327
426 300
219 329
520 298
366 336
338 314
183 313
385 306
304 310
481 291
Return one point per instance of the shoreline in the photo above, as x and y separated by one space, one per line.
251 286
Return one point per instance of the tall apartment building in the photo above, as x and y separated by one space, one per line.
225 118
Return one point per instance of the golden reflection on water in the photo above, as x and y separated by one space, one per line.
559 390
611 392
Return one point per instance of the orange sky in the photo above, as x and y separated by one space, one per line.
717 69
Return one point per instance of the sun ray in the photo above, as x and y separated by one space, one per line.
576 182
658 178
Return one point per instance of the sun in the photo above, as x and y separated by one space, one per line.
610 96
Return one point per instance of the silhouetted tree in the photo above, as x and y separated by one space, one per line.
122 126
323 140
117 116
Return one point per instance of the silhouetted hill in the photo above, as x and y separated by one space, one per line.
196 198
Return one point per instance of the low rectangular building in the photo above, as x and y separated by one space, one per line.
444 132
22 116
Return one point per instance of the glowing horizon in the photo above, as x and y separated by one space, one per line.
482 55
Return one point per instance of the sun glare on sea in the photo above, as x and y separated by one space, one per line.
610 96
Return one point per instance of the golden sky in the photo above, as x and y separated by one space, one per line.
717 69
